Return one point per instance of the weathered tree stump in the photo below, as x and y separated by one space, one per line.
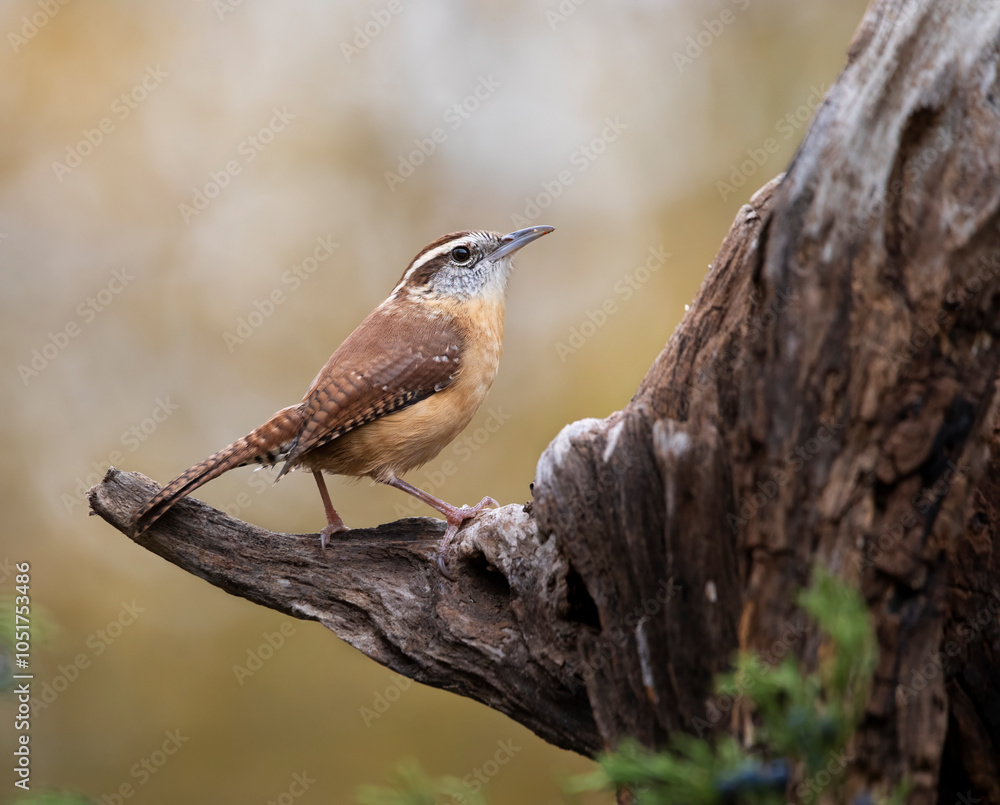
830 397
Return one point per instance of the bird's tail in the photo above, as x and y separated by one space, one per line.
265 444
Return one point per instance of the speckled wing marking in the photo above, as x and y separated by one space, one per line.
383 366
272 456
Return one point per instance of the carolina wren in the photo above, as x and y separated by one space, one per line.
403 385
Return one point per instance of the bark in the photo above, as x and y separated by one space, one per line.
829 397
502 635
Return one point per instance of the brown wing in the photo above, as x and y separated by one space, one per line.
395 358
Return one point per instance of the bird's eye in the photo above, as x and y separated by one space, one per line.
461 254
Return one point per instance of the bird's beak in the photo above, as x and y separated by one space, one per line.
515 240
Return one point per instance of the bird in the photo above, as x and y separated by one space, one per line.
396 392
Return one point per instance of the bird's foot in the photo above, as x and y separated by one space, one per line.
329 530
334 523
456 517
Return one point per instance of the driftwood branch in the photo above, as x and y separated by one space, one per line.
831 396
496 636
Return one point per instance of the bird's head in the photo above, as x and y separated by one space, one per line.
464 265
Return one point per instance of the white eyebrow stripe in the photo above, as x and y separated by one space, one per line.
425 258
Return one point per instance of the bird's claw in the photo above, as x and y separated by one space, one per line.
456 519
328 531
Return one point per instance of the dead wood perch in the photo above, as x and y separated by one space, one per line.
490 636
831 396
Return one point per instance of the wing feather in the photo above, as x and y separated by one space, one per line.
396 357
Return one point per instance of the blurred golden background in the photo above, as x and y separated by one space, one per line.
200 200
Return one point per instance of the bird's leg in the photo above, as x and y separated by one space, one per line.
333 522
454 515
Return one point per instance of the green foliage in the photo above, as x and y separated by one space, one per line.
689 773
410 785
805 720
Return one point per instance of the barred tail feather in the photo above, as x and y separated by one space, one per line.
262 443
